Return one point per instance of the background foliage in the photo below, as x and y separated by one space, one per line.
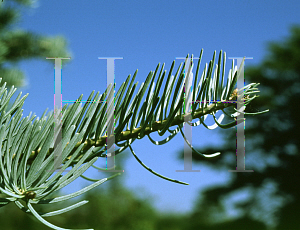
272 195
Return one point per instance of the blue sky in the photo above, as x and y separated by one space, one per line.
145 33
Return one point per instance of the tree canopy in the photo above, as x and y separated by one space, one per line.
272 151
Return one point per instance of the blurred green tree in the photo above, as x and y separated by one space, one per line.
272 195
19 45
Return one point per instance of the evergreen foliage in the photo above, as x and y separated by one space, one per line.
27 149
27 146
